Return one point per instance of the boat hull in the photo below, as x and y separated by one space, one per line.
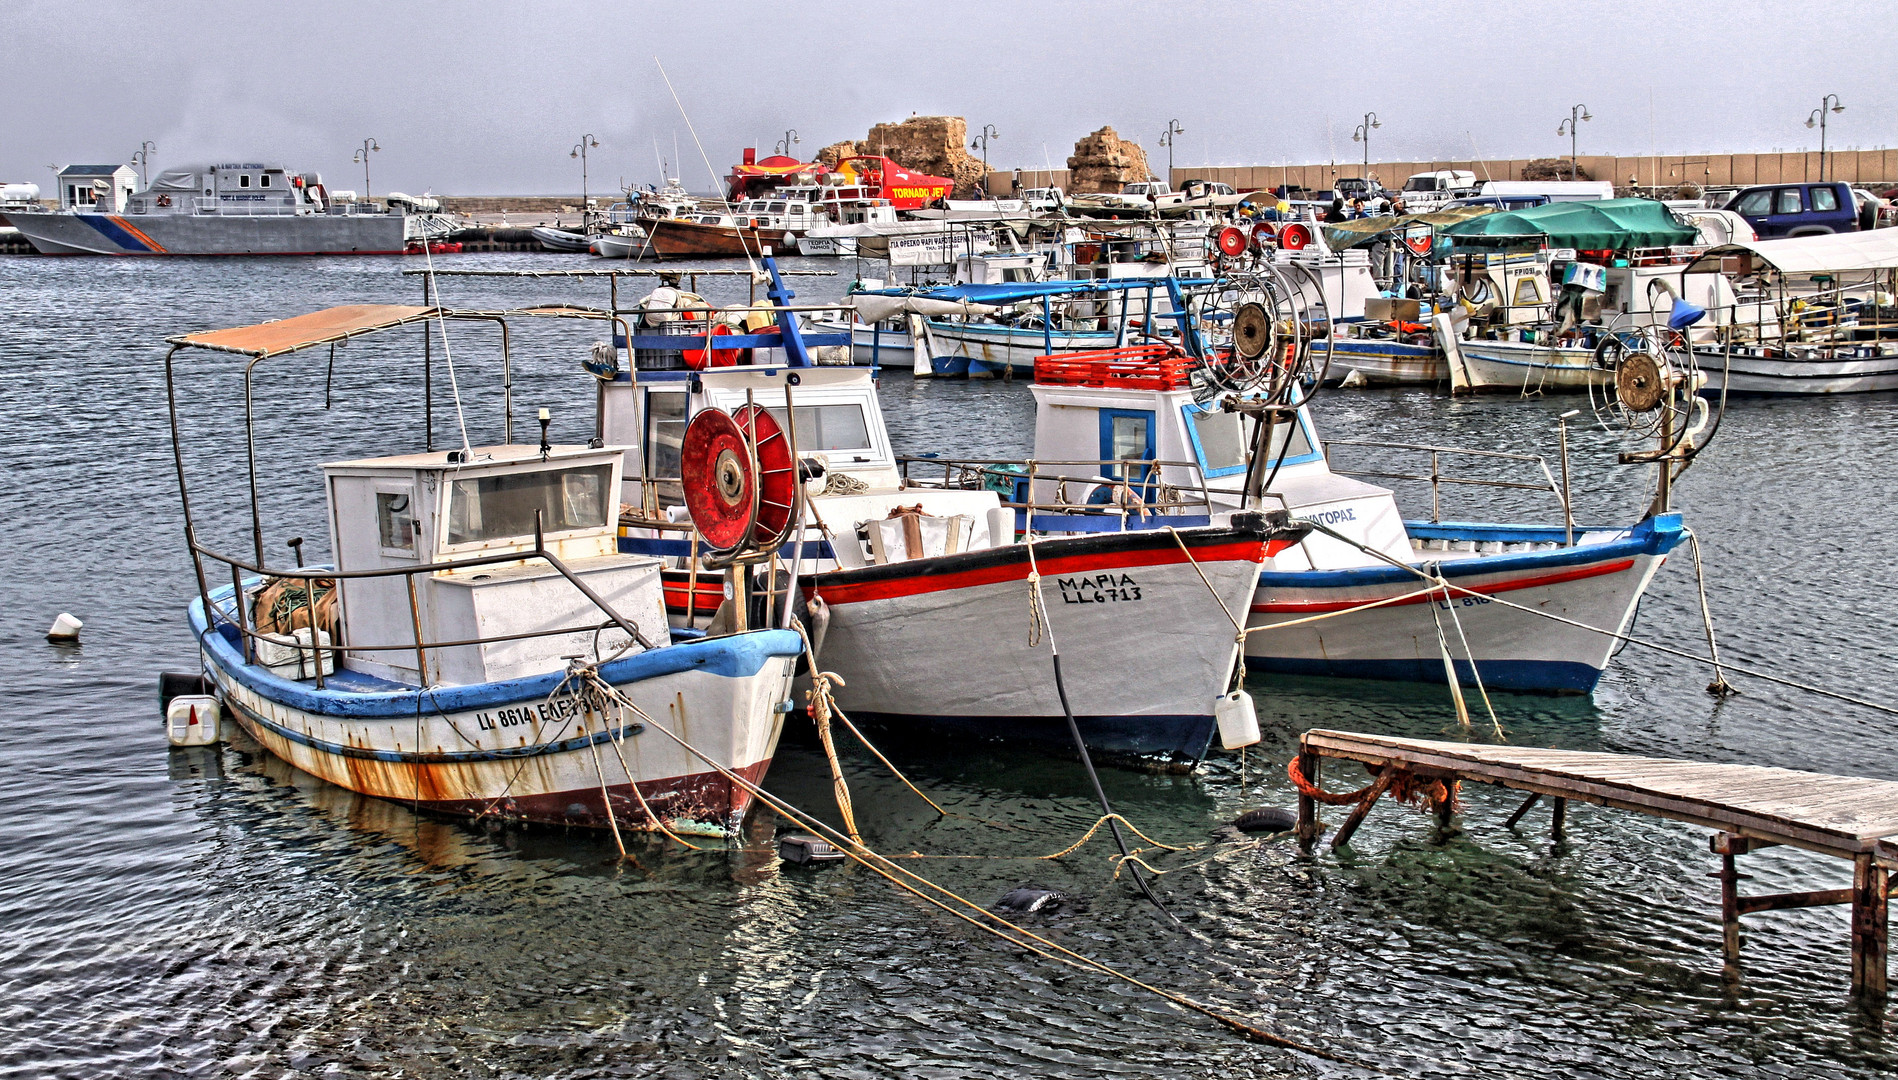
526 750
1747 371
1145 647
1597 582
678 239
985 350
561 240
891 347
1519 367
1381 361
187 234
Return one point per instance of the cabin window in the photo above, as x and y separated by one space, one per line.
1787 201
1824 198
829 427
775 208
243 180
395 521
505 507
665 434
264 180
1220 438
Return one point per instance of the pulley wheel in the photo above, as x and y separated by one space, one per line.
777 475
721 490
1251 331
1638 382
1232 242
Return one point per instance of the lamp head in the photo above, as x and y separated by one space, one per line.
1376 123
1809 121
1838 108
1358 135
1586 116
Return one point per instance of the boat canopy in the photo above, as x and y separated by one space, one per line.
1607 225
1804 255
302 331
1349 234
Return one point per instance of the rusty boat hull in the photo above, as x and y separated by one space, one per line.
529 750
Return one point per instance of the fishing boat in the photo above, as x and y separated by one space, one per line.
1809 315
237 208
895 578
714 234
479 646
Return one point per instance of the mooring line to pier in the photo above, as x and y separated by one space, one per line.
1447 587
989 922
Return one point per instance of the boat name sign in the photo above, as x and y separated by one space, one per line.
1099 589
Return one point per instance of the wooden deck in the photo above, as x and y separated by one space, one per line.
1749 806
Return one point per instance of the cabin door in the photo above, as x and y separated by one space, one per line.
1127 447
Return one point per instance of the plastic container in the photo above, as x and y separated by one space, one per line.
1238 720
65 628
192 720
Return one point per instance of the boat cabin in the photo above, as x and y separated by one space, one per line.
1147 422
416 510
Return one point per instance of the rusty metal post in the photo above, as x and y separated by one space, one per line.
1307 831
1870 895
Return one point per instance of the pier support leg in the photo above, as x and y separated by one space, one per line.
1729 912
1558 817
1308 765
1363 807
1534 797
1870 894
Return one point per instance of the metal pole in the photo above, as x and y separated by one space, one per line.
1568 513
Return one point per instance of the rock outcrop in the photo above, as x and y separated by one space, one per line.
1103 161
937 145
835 152
1552 168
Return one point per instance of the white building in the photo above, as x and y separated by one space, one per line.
103 188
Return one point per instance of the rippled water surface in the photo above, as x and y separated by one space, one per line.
214 913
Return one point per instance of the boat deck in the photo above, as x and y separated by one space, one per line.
1750 807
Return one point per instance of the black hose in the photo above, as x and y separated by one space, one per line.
1080 745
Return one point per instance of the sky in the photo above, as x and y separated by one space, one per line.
490 96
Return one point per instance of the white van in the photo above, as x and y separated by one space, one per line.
1430 190
1553 190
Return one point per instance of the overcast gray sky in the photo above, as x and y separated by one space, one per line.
489 96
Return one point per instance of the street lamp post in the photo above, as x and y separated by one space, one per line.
790 139
362 158
1166 139
1568 127
142 157
1363 135
1829 103
981 142
586 142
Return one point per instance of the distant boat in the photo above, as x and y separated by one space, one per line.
626 244
556 239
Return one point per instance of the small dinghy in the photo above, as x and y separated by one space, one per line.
564 240
479 646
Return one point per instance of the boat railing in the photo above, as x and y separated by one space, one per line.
213 205
1437 477
238 616
1136 487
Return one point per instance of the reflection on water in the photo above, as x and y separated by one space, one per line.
213 912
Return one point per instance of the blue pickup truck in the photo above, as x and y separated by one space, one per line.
1776 210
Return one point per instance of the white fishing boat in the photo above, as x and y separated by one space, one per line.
892 572
1809 315
553 238
620 242
479 647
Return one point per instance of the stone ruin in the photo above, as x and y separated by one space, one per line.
1103 161
1552 168
937 145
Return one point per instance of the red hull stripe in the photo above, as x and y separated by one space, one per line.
1239 551
1308 607
711 592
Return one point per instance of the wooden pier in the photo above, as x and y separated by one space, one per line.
1749 807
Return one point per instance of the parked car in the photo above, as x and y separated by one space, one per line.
1776 210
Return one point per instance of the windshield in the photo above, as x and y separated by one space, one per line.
1421 183
507 506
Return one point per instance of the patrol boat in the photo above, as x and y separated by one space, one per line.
238 208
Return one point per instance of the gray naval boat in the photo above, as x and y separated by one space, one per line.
237 209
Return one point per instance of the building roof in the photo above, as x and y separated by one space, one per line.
93 170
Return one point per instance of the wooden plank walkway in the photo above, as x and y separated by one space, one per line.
1750 807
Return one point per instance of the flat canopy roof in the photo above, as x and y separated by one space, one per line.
302 331
1828 254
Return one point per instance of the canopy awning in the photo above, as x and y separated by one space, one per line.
1607 225
1349 234
302 331
1833 253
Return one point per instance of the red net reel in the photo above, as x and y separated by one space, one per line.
777 475
721 488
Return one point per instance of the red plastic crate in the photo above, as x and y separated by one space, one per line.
1135 367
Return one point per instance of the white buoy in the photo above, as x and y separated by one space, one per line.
192 720
1238 720
65 628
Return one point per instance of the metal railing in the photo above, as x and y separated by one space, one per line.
1436 477
1133 497
239 616
213 205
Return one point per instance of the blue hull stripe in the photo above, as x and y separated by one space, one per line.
736 657
1177 738
111 231
1655 536
1536 676
447 757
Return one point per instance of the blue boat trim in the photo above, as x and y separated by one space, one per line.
1180 738
652 545
735 657
1654 536
1537 676
445 757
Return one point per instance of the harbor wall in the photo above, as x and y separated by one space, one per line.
1871 167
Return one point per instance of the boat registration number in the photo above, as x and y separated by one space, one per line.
1099 589
542 712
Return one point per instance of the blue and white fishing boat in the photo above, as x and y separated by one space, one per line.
479 646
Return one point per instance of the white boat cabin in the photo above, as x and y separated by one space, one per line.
419 509
1159 440
838 426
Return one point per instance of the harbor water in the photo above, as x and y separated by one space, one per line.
211 912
